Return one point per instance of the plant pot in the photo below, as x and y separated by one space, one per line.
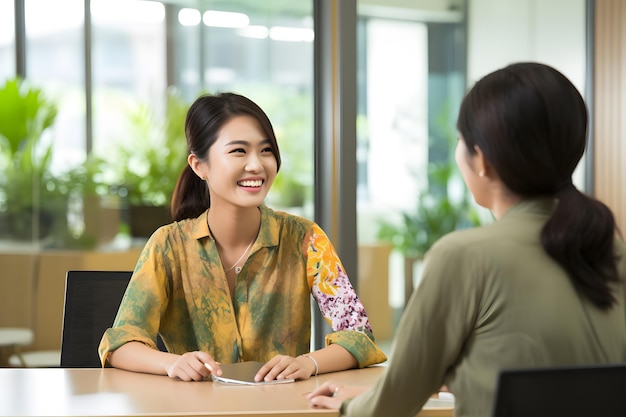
102 217
27 223
144 219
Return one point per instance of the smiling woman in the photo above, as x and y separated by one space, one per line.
241 147
231 280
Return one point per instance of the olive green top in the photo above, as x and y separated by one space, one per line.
179 290
490 298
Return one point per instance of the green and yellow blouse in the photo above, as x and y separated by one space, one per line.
179 290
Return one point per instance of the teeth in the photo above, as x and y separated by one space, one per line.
255 183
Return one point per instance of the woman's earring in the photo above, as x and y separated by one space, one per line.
481 174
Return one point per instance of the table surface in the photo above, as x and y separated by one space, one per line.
114 392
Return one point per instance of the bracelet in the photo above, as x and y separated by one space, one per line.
314 361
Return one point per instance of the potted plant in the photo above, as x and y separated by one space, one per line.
437 213
148 164
32 200
293 187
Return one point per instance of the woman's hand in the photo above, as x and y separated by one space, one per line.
331 394
286 367
193 366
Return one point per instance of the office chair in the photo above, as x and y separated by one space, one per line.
92 299
575 391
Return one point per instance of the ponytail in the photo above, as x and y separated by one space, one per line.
580 236
191 196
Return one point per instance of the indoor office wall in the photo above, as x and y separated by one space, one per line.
583 39
610 106
554 32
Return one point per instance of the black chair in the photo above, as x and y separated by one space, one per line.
576 391
92 299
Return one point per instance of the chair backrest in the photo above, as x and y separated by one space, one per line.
92 299
576 391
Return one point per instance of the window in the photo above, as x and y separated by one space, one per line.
411 80
111 84
55 63
264 52
7 39
128 53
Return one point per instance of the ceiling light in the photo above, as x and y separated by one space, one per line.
225 19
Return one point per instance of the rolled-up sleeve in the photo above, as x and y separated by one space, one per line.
138 318
339 304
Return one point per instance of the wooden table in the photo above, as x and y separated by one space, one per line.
114 392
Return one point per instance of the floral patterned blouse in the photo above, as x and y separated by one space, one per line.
179 290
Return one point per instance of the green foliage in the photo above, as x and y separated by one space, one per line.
436 215
28 191
149 162
289 113
24 116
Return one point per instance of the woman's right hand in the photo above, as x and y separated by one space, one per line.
193 366
331 395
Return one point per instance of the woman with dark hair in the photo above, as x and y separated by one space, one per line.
230 279
542 286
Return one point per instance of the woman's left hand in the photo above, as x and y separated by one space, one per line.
331 394
286 367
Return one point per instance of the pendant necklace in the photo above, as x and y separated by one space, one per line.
238 268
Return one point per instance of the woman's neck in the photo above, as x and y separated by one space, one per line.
502 201
233 227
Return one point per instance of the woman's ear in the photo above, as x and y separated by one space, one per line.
481 165
196 165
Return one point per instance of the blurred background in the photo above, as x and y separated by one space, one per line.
93 96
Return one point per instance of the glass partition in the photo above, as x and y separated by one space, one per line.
117 88
411 71
416 60
42 121
7 39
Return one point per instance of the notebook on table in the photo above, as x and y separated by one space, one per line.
243 373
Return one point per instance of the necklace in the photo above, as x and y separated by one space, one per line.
238 268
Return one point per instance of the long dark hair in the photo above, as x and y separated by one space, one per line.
530 122
205 118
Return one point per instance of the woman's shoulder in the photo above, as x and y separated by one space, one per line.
491 239
479 235
285 219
